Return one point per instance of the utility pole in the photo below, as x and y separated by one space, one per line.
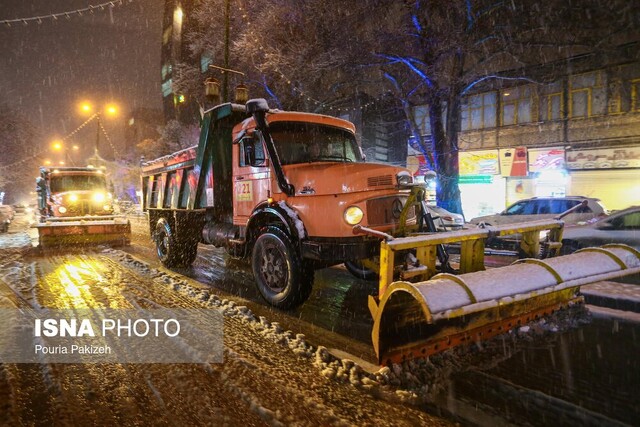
227 29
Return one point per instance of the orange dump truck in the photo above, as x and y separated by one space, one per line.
284 189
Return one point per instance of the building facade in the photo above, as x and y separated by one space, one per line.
578 135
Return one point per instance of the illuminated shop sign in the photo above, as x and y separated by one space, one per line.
479 162
604 158
513 161
546 159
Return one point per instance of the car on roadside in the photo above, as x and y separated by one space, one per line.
6 216
619 227
538 208
445 220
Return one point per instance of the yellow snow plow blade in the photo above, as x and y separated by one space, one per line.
418 319
114 230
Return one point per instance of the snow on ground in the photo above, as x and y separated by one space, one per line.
414 382
417 382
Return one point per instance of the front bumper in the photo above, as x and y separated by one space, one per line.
340 249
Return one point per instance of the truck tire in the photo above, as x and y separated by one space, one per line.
283 278
360 271
173 252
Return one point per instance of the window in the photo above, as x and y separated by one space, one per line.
298 142
166 71
630 221
205 61
421 117
517 105
166 88
551 101
479 111
587 95
252 153
166 35
615 97
635 95
520 208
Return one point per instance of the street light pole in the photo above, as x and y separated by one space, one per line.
227 29
97 134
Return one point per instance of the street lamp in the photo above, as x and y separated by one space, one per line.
109 110
59 146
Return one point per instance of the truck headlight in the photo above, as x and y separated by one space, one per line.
73 198
353 215
98 197
404 178
62 209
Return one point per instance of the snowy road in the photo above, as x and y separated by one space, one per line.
269 375
272 374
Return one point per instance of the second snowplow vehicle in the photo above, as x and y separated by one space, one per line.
75 206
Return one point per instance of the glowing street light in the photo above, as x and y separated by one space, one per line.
57 145
110 110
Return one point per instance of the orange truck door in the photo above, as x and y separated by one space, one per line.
250 178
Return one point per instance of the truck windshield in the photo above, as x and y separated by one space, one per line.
62 183
298 142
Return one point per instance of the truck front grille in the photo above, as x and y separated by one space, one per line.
378 181
83 208
386 210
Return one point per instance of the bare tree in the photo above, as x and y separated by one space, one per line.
20 153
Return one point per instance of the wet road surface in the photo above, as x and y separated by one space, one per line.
261 382
586 375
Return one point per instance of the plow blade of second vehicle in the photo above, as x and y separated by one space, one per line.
419 319
114 232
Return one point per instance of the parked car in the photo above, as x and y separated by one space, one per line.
538 208
445 220
620 227
6 216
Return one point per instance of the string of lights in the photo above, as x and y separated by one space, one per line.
68 14
106 135
43 150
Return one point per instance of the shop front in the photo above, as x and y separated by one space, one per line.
482 188
609 174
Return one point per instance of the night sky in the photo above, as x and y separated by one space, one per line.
112 54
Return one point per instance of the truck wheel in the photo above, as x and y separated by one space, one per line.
283 278
360 271
171 251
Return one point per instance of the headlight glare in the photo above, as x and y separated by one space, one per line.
353 215
98 197
73 198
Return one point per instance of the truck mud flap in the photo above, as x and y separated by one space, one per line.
419 319
79 233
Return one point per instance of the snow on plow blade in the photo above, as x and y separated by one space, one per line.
113 230
419 319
